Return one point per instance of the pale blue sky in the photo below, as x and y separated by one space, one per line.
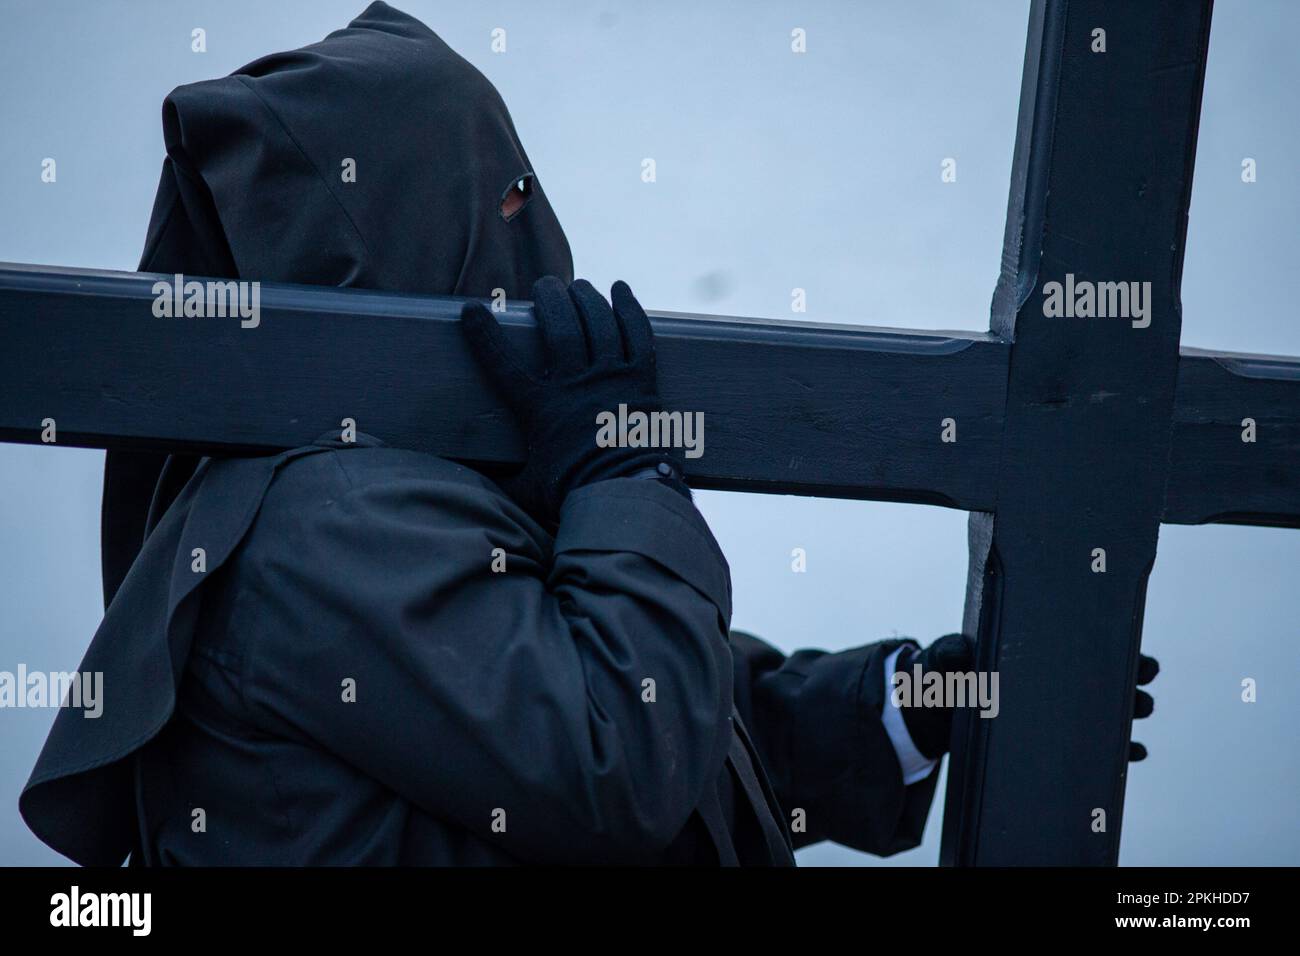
775 171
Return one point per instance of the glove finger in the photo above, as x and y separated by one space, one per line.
603 335
638 338
949 654
563 338
907 655
1136 752
1148 668
487 340
1143 704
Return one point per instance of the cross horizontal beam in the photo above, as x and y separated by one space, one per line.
789 407
1216 475
785 410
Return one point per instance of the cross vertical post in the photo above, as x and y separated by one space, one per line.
1100 186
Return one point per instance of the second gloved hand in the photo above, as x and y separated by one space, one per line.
931 727
596 358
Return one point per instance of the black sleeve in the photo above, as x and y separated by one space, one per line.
815 718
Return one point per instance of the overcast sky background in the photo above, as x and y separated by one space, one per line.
775 171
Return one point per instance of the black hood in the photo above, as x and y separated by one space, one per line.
377 158
434 151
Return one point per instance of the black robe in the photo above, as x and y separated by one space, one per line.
345 677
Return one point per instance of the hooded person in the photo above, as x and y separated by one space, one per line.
384 658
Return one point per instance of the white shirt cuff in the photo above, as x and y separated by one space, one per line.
915 765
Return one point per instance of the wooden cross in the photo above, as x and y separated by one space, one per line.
1069 438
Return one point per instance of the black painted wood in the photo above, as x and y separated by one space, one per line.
1213 474
1100 189
789 407
82 346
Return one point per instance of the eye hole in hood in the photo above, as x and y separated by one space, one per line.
516 196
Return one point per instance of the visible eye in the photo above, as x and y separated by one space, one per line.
516 196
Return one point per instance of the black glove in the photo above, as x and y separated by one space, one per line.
596 359
1144 703
931 727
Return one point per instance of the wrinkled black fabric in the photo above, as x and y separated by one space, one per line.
476 691
815 718
252 188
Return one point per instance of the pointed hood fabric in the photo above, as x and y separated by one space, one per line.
377 158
